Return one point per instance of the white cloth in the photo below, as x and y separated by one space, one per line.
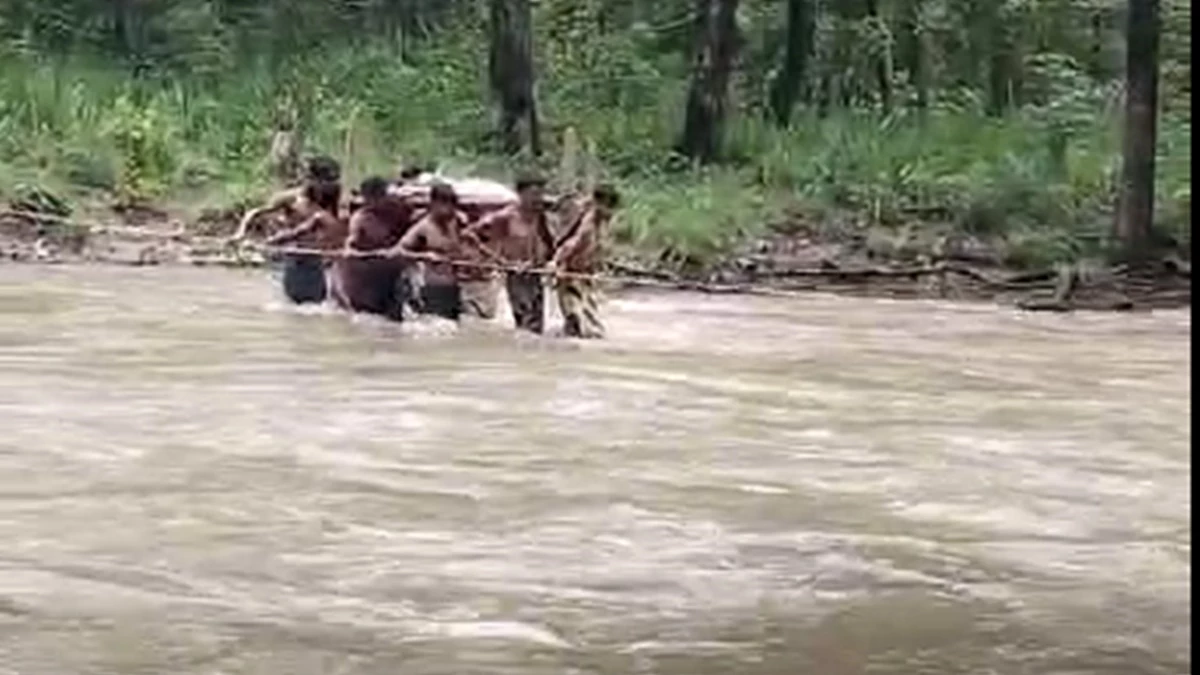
470 190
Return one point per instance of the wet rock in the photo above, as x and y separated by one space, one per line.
45 251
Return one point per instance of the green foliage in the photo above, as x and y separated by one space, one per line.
177 100
689 223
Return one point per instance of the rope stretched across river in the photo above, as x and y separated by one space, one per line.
183 236
462 264
627 276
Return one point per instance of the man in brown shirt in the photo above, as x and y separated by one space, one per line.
577 258
519 236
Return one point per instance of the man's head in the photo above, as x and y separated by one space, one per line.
323 168
443 201
373 190
325 194
606 198
530 188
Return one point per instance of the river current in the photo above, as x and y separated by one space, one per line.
198 479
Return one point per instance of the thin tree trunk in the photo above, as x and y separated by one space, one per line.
789 85
1135 206
385 19
915 51
716 48
883 74
999 61
510 66
127 33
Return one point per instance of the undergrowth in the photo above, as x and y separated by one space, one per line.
1040 181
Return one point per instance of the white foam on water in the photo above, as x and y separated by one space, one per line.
497 630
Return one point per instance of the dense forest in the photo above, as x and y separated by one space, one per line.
999 118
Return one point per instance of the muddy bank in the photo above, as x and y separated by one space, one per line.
787 260
930 265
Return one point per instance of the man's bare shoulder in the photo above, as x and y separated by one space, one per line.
423 227
360 216
425 221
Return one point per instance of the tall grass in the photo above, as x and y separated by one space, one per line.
1041 185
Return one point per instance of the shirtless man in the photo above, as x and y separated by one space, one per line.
300 210
304 273
293 204
436 240
519 236
407 177
365 280
578 254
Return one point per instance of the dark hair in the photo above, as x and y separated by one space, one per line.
529 179
373 188
443 193
606 195
410 171
325 194
324 168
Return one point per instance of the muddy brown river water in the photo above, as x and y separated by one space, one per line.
195 479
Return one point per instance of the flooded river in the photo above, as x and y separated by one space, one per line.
195 479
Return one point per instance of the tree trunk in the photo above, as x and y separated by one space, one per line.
716 48
915 51
128 33
1096 65
883 70
510 67
1135 205
790 83
999 60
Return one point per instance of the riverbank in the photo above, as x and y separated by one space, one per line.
789 258
944 197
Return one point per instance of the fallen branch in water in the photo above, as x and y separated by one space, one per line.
1121 304
632 271
854 273
701 287
1016 282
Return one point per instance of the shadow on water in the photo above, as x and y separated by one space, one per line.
196 478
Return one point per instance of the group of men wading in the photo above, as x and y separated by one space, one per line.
373 250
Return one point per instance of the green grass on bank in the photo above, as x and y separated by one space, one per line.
1040 180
